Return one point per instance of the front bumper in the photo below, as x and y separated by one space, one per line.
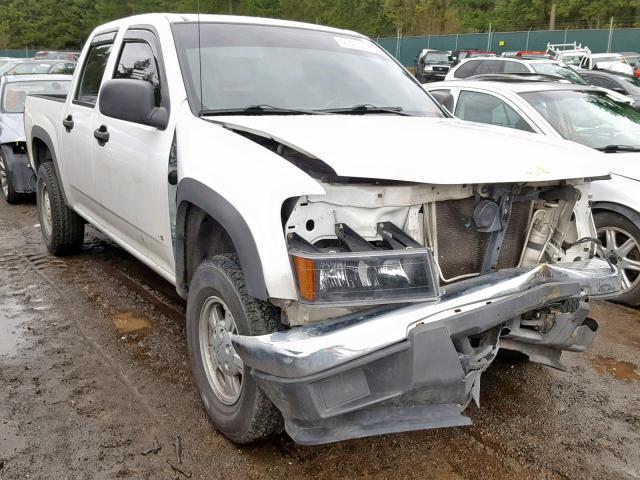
399 368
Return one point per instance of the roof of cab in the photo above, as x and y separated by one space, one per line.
154 18
515 87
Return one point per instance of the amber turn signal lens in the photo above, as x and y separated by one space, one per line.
306 278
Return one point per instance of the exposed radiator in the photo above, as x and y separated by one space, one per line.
461 248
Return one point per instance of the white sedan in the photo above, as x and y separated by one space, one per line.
583 114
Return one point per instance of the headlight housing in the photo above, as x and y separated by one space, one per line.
428 68
373 277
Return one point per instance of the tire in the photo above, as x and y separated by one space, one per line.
625 236
243 414
62 228
6 183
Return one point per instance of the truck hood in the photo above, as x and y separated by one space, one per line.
424 150
11 127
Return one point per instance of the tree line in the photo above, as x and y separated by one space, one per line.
66 23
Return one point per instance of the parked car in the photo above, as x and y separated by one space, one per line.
570 54
16 175
500 65
54 55
583 114
432 65
332 277
32 67
623 84
633 59
458 55
613 62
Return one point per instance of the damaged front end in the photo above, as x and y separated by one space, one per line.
407 292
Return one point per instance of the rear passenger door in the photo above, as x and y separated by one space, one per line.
133 163
76 142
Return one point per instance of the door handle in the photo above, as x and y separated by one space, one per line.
102 135
68 123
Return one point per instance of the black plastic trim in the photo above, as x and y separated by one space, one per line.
626 212
19 169
192 192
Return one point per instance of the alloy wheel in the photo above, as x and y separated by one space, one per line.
223 366
623 250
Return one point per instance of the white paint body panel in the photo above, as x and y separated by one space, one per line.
384 147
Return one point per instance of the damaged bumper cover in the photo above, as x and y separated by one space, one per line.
400 368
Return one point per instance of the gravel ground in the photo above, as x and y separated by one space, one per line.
95 384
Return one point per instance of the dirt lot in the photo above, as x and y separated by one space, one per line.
94 374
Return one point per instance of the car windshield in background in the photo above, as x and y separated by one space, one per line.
590 118
28 68
633 61
15 93
436 57
635 82
558 71
292 68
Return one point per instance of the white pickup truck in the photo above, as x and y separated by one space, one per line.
337 285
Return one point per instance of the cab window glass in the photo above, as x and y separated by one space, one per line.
489 66
137 62
466 69
92 72
484 108
515 67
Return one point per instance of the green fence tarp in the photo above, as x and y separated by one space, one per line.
407 48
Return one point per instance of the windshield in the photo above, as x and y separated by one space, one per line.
436 57
590 118
634 61
15 93
558 71
27 68
291 68
635 84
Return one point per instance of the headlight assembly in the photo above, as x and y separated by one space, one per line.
365 277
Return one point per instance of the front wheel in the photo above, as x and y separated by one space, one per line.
621 241
219 306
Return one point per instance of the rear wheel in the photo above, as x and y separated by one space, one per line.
219 306
621 241
62 228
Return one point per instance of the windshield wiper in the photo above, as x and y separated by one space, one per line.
618 148
367 108
262 109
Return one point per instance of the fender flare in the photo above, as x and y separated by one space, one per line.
626 212
19 169
192 192
42 135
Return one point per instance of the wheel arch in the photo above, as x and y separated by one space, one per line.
206 225
618 208
41 145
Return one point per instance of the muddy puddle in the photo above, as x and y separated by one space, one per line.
128 322
626 371
12 327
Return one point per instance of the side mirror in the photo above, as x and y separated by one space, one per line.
132 101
